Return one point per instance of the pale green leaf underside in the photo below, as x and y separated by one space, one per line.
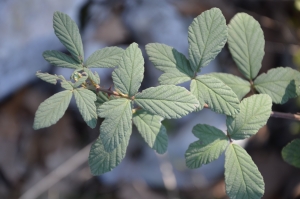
101 98
207 37
167 101
207 133
52 79
67 32
246 44
219 97
128 76
291 153
66 84
199 154
102 161
114 129
242 177
254 114
60 59
85 100
105 58
94 77
52 109
239 86
167 59
151 129
280 84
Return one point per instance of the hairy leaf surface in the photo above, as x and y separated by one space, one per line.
167 59
52 79
207 37
67 32
254 114
280 84
94 77
52 109
246 44
291 153
60 59
242 177
211 145
219 97
80 81
114 129
130 73
167 101
85 100
151 129
239 86
105 58
102 161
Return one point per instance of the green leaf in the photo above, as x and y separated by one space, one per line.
219 97
242 177
280 84
94 77
80 81
246 44
211 145
151 129
207 134
52 79
167 101
60 59
238 85
105 58
128 77
52 109
67 32
254 114
85 100
207 37
291 153
102 161
167 59
114 129
101 98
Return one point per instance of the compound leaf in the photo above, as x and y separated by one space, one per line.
168 101
167 59
207 37
254 114
239 86
114 129
130 73
219 97
52 109
246 44
60 59
242 177
151 129
280 84
105 58
291 153
85 100
101 98
94 77
102 161
67 32
211 145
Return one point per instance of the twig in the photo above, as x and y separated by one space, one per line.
59 173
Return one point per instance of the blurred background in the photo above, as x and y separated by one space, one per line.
51 163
